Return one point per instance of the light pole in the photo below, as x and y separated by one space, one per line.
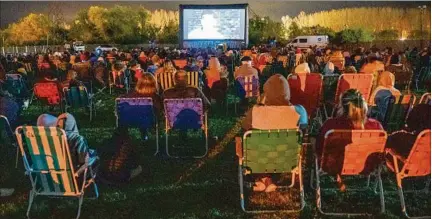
422 9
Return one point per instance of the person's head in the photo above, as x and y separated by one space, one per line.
350 69
118 66
246 60
372 58
67 122
277 91
71 75
329 68
146 85
353 107
214 63
386 79
180 78
168 64
155 59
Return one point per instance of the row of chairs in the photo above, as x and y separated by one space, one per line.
345 152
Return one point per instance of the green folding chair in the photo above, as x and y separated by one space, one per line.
397 112
48 163
270 151
78 97
6 129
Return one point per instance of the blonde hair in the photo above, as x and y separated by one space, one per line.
146 85
353 107
72 74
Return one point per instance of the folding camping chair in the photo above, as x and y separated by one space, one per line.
180 63
165 80
247 87
351 153
48 163
193 79
305 89
417 164
361 82
270 151
78 97
397 112
5 125
185 114
15 84
137 113
266 70
48 93
118 79
425 98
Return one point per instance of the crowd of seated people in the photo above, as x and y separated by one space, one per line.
144 67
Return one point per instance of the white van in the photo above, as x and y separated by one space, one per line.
307 41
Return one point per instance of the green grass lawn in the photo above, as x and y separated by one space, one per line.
185 188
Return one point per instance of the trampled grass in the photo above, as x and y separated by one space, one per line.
184 188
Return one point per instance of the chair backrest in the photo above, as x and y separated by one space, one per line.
361 82
76 96
425 98
329 87
28 66
418 161
185 113
6 129
180 63
193 78
15 84
269 117
249 86
271 151
352 152
135 112
306 90
165 80
48 91
47 158
397 111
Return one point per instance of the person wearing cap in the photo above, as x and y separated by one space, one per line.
246 68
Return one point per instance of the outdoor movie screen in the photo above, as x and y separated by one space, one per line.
214 24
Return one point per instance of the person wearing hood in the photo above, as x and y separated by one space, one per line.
78 146
329 68
246 68
303 67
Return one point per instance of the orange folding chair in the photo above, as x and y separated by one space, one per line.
361 82
181 63
350 153
48 93
416 165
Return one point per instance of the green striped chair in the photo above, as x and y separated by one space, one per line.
78 97
266 152
48 163
5 129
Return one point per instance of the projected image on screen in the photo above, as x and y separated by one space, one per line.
213 24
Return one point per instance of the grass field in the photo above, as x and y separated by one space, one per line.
187 188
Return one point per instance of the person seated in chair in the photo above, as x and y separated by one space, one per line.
246 68
71 80
79 149
351 115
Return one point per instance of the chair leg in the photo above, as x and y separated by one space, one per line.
31 199
80 201
16 157
240 175
300 173
382 200
157 140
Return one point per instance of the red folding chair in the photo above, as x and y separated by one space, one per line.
181 63
48 93
306 90
351 153
416 165
361 82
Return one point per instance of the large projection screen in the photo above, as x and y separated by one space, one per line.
213 22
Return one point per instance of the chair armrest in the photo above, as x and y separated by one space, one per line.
393 153
239 148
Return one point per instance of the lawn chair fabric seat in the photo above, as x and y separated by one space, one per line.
78 97
397 112
185 114
165 80
269 117
48 92
361 82
417 164
305 89
351 153
137 113
193 79
266 152
48 162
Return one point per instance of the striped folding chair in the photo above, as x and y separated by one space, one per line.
185 114
78 97
48 163
247 87
193 79
350 153
137 113
165 80
425 98
305 89
417 164
6 132
397 112
28 67
180 63
361 82
270 152
48 93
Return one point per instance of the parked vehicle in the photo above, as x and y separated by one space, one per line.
78 46
307 41
105 48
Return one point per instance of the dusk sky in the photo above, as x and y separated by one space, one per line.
14 10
